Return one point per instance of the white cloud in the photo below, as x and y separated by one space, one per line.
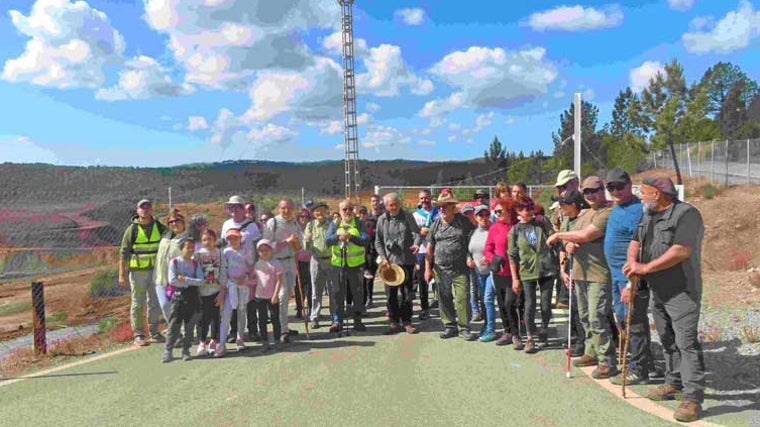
387 73
378 136
732 32
314 94
20 149
363 119
452 138
510 120
559 94
681 5
70 43
425 143
196 123
483 120
270 134
454 126
222 43
334 127
491 78
372 107
143 77
411 16
576 18
334 45
640 75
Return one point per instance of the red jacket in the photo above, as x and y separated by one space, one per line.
496 244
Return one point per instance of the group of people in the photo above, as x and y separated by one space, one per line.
600 257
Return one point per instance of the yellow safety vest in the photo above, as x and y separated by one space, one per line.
354 252
144 249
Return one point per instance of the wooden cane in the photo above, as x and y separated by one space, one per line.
303 301
634 287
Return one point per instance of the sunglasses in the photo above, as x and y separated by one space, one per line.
616 186
172 222
497 211
562 187
345 209
484 214
588 191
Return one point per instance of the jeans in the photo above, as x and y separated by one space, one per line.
544 285
401 312
142 288
620 309
477 291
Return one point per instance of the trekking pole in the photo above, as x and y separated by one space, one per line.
303 301
569 319
634 288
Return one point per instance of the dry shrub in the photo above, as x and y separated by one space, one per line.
754 279
739 260
122 333
750 333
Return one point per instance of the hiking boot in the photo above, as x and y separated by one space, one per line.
140 341
448 333
632 378
167 357
315 324
477 317
410 329
186 356
240 344
201 350
424 315
468 335
604 371
359 326
687 411
488 336
334 328
504 339
393 327
212 346
517 343
585 360
530 346
577 350
285 338
157 338
664 392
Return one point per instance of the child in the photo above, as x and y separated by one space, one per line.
269 281
238 271
212 296
185 276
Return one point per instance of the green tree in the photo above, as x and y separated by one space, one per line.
733 112
718 81
496 153
562 139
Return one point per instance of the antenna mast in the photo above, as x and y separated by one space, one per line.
350 131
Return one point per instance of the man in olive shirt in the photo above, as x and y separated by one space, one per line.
314 236
592 278
666 252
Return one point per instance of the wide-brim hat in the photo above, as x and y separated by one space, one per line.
564 176
235 200
393 275
446 197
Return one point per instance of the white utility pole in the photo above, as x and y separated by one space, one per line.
577 136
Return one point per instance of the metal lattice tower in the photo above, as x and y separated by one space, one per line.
350 131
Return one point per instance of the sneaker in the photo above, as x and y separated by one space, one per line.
359 326
315 324
468 335
410 329
424 315
477 317
543 336
504 339
293 333
220 350
368 275
140 341
393 328
186 356
370 305
253 337
517 343
285 338
167 357
487 336
448 333
334 328
585 360
664 392
157 338
240 344
212 345
632 378
530 346
387 314
687 411
201 350
604 371
232 338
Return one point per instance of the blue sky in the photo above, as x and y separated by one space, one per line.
167 82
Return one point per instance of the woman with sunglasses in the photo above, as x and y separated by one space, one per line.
534 266
168 248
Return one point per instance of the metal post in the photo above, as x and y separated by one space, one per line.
726 151
577 135
38 320
699 156
688 158
170 199
654 157
748 166
712 161
303 198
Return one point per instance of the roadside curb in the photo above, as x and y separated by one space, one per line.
642 403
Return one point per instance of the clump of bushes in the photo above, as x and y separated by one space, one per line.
105 283
709 190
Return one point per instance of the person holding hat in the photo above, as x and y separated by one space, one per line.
447 255
347 239
624 218
319 268
591 277
138 252
397 241
666 252
250 233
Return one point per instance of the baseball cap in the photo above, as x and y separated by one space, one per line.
144 201
572 197
467 209
264 242
232 232
564 176
663 184
592 182
480 192
185 237
481 208
617 175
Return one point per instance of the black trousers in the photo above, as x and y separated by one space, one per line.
640 335
544 285
185 311
508 303
401 311
265 309
304 272
208 327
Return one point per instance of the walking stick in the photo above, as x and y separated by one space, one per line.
634 288
569 319
621 334
303 301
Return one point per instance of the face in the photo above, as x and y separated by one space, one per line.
620 192
517 192
568 210
265 252
234 241
208 241
188 249
392 206
346 211
145 210
649 197
594 196
425 200
177 225
569 185
483 218
236 212
286 209
250 213
526 213
374 201
481 199
447 209
319 214
363 215
303 219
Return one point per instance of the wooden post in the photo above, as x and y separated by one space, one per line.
725 149
38 311
748 166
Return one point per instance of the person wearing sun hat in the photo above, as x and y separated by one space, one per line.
446 254
319 268
666 252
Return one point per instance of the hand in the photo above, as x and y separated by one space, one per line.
424 231
636 268
343 236
554 238
181 278
484 261
571 247
566 278
308 236
516 286
122 280
275 299
385 263
219 300
625 295
414 249
428 274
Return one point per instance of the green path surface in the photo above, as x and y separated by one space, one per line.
364 379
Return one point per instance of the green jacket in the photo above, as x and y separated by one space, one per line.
535 260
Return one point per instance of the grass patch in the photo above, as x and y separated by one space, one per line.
56 318
107 324
709 190
14 307
105 283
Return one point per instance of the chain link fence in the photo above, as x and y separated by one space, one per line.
463 193
727 162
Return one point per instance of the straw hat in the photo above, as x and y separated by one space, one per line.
392 275
446 197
